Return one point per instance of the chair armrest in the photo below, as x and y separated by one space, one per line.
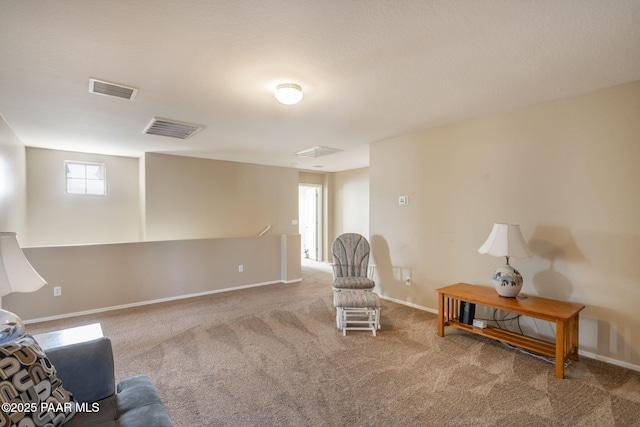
86 368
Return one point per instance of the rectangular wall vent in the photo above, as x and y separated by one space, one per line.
316 152
172 128
112 89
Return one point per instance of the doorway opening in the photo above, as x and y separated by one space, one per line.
310 220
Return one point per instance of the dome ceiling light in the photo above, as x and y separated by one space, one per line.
289 93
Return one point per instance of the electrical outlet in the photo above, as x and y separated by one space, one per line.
57 291
407 281
240 268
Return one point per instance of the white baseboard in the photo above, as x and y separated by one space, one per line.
609 360
580 352
409 304
154 301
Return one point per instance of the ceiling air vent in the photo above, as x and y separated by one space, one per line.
318 151
112 89
172 128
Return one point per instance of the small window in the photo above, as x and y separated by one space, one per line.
86 178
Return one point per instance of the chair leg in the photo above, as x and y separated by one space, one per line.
343 321
358 319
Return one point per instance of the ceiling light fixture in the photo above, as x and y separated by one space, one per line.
289 93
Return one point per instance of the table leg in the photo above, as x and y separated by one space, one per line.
440 314
560 347
575 332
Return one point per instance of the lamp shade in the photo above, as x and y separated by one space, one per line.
289 93
505 240
16 274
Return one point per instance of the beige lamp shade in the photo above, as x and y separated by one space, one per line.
505 240
16 274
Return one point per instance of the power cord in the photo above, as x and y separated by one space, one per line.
504 320
547 359
517 317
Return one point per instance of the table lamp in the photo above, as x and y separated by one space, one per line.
506 240
16 275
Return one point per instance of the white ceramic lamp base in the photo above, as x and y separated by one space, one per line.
11 327
507 281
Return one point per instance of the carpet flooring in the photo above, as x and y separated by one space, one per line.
272 356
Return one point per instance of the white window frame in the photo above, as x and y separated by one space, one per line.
84 178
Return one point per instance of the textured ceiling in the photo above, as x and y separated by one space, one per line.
369 69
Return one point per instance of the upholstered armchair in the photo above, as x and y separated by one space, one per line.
357 306
351 264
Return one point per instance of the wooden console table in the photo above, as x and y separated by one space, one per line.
564 314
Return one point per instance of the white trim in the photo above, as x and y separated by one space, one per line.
154 301
586 354
319 194
605 359
409 304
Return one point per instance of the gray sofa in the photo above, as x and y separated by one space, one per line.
87 370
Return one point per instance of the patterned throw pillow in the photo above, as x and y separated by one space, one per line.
30 392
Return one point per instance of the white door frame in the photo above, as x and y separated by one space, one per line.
304 223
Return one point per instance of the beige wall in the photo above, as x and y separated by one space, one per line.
350 202
13 178
567 171
57 218
97 277
317 178
188 198
205 215
345 203
157 197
